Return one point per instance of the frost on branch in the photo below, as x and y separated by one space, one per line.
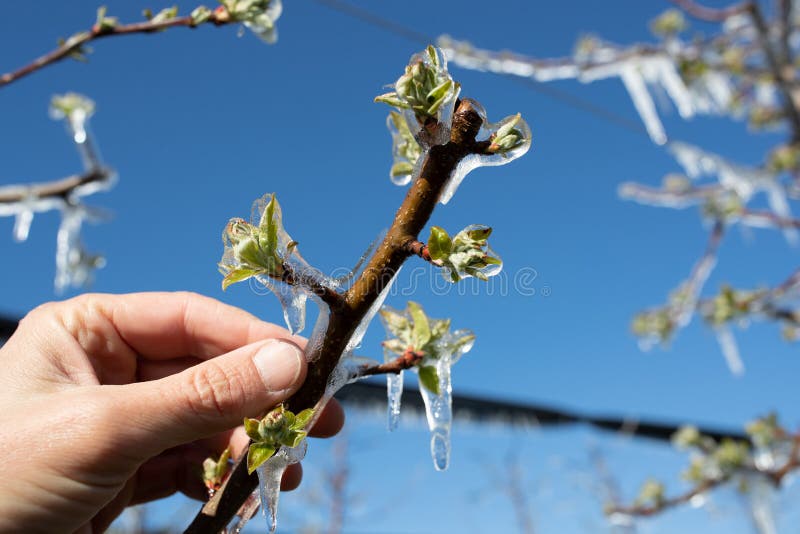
405 149
509 139
264 251
259 16
465 255
282 431
755 468
74 265
425 96
413 332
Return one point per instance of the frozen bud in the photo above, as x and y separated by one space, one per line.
104 23
215 470
669 23
784 158
656 323
507 137
424 87
676 183
652 492
686 437
723 207
765 430
70 104
731 455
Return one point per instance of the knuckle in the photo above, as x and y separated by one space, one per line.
210 392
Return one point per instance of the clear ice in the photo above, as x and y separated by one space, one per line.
74 265
269 480
263 24
394 393
730 349
292 297
474 161
439 413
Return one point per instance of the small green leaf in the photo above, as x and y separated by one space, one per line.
429 378
393 100
396 323
293 438
401 168
238 275
395 345
421 333
200 15
257 454
480 234
439 243
302 419
251 428
222 463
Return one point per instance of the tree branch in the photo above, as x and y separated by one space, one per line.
418 248
778 69
408 360
710 14
74 44
56 189
410 219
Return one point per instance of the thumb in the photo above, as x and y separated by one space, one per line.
213 396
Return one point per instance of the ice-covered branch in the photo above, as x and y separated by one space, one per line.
74 265
446 130
761 463
258 15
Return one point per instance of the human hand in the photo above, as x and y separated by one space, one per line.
113 400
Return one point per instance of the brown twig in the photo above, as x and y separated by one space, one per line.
74 44
406 361
779 70
418 248
56 189
711 14
410 219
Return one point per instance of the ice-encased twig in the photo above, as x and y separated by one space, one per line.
269 478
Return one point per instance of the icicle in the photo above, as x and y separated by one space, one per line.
637 89
394 393
438 409
74 265
730 350
761 498
667 75
473 161
22 224
269 478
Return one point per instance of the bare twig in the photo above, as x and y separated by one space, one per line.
74 44
418 248
408 360
409 221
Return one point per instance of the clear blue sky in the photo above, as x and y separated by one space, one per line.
200 123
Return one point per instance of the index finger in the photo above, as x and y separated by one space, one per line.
170 325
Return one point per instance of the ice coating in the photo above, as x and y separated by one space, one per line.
413 332
361 329
439 413
473 161
761 499
269 480
730 349
74 265
263 24
290 276
394 393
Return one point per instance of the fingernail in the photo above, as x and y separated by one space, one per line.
279 364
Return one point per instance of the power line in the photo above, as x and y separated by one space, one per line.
423 39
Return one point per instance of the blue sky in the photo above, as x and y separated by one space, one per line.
200 123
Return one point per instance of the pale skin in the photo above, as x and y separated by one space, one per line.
112 400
